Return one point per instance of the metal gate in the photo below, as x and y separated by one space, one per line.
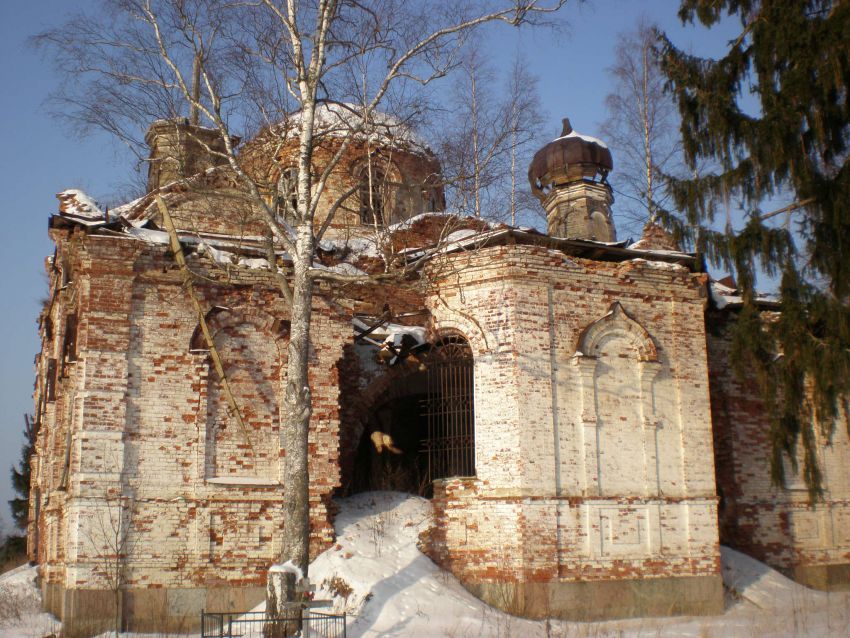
449 409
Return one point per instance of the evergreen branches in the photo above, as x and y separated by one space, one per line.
793 59
21 476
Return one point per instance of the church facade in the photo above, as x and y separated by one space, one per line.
564 399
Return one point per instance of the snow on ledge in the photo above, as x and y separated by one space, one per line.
658 265
359 246
342 268
461 234
287 568
724 296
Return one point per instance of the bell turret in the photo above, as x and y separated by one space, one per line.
569 177
179 149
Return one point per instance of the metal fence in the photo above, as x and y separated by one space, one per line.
258 624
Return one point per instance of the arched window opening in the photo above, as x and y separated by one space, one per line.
287 193
50 380
372 187
252 362
599 226
431 200
69 345
416 426
389 455
449 410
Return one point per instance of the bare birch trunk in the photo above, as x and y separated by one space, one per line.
647 133
513 174
476 157
296 422
297 403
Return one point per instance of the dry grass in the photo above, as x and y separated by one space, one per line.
17 604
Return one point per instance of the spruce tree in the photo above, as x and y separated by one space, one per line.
21 476
793 59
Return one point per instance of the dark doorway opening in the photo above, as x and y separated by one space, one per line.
389 455
423 427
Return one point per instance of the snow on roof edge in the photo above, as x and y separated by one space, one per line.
582 136
726 297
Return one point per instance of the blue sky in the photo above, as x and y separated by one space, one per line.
41 157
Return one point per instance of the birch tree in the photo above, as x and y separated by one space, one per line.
236 67
525 126
642 128
109 544
493 121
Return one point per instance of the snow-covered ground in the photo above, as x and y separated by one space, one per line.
397 591
387 587
20 606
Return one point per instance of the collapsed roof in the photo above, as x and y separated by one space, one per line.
449 233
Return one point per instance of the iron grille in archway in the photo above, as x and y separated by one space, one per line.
449 409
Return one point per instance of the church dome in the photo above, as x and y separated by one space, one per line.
336 121
568 158
388 171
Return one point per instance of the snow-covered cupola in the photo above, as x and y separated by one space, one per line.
569 177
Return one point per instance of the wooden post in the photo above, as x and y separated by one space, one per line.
305 587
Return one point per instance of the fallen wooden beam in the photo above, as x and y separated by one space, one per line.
180 258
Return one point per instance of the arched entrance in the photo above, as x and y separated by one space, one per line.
449 444
421 428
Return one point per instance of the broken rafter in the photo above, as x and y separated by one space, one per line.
384 317
408 346
180 258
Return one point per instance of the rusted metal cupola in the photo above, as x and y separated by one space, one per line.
569 177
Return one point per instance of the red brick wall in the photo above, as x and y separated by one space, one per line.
537 510
199 507
771 523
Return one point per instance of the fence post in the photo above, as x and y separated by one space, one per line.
305 622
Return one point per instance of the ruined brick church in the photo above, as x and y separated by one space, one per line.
564 399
